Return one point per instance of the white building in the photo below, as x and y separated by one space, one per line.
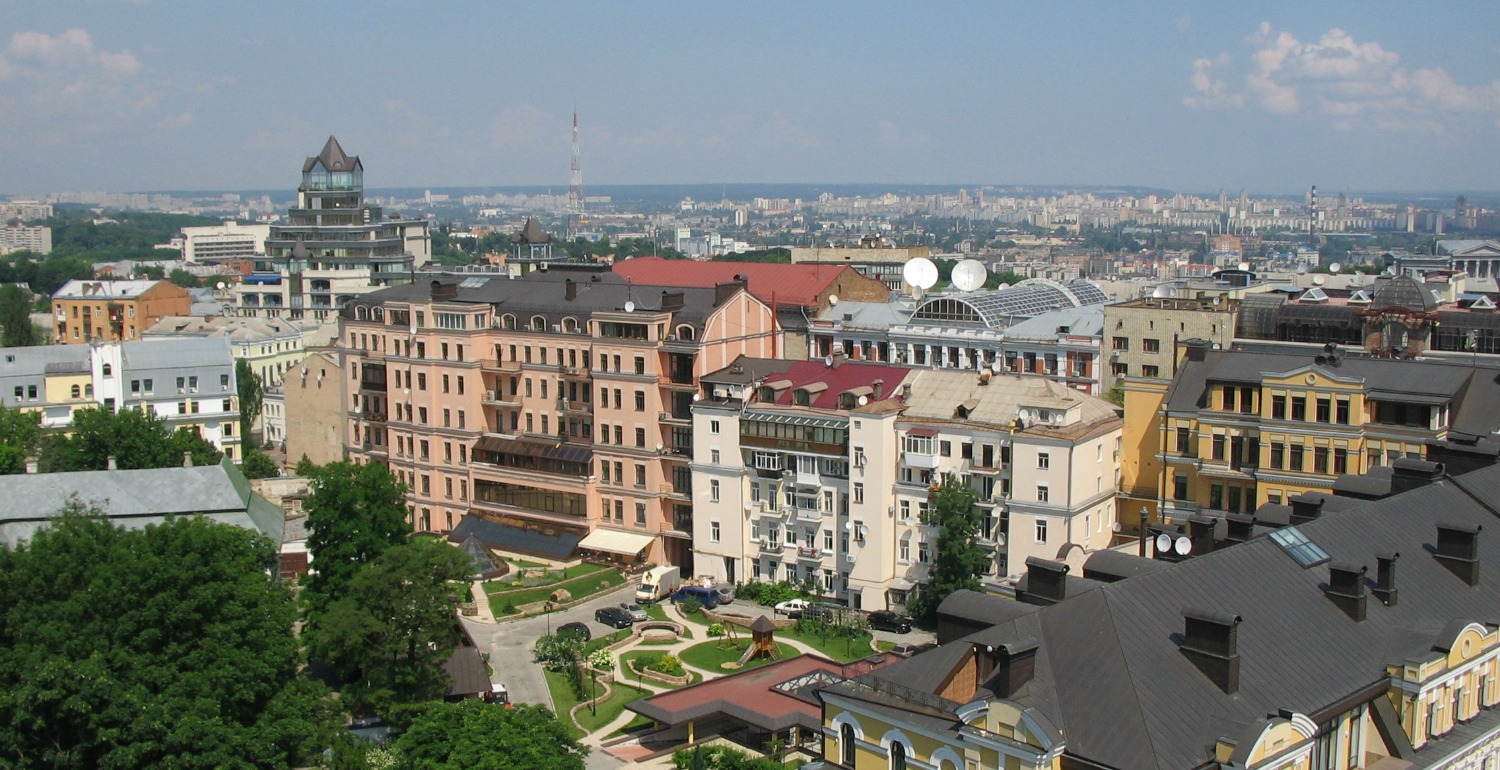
36 239
804 470
223 241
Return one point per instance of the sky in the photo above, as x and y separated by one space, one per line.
1267 97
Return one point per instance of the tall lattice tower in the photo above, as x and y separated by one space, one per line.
575 186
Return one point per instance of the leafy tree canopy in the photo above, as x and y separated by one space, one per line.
395 626
15 318
252 393
355 512
163 647
258 465
135 438
959 561
472 735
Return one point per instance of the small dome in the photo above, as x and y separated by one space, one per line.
1405 293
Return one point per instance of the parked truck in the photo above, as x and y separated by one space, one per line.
658 583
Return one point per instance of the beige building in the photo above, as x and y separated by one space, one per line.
554 407
229 240
103 311
314 409
1141 335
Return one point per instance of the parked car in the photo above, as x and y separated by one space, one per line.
791 608
908 650
885 620
576 628
613 616
635 611
708 597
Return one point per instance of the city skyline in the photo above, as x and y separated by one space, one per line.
158 96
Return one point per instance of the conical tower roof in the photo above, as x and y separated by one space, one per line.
333 158
533 233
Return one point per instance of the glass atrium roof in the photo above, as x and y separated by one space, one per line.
1001 308
1302 550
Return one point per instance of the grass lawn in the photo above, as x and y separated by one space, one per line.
708 657
564 699
657 612
585 583
885 646
600 642
625 671
523 564
833 647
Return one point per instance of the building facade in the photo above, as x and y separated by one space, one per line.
809 472
558 402
1141 336
112 311
1240 428
316 409
270 346
230 240
33 238
334 246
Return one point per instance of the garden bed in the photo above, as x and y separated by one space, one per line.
630 670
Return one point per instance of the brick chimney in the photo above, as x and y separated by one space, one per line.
1046 581
1211 642
1408 474
1346 589
1385 578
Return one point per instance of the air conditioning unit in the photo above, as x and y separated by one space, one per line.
721 392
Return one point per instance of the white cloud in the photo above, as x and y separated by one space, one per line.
1336 76
73 49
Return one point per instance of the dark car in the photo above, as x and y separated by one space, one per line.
576 628
885 620
614 616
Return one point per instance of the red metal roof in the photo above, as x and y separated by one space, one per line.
847 376
799 285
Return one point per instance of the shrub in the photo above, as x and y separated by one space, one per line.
690 606
602 660
716 629
668 664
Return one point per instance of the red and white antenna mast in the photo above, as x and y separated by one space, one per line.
575 186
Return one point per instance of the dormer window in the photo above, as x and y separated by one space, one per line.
846 401
765 393
801 397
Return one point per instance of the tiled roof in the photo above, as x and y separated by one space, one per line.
800 284
847 376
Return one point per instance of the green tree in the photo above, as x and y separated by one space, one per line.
15 318
20 433
252 393
390 633
184 279
305 468
258 465
472 735
958 559
355 512
168 646
720 758
135 438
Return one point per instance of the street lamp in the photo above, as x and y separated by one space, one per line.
547 611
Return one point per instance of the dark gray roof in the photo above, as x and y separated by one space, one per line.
1403 291
546 294
1110 566
1110 675
554 543
333 158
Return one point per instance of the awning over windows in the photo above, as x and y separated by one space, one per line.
795 419
902 584
544 450
616 541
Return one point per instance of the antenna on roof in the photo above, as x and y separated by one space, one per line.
969 275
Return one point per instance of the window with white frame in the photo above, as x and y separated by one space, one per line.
859 493
828 540
713 490
713 530
918 445
1041 530
713 456
903 552
1043 460
1041 493
922 551
904 508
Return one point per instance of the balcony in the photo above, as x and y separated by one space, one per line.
574 406
809 514
809 552
675 419
497 398
919 460
770 546
493 365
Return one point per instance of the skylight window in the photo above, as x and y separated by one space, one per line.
1302 550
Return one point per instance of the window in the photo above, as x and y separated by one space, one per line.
1278 407
1278 456
1184 436
1320 459
922 551
1340 461
1150 346
905 508
640 400
945 448
1150 370
1295 460
640 475
713 426
1299 408
713 490
713 530
1041 530
1121 343
1229 393
1324 410
1043 460
713 456
903 555
898 756
1179 487
640 437
640 514
107 370
920 445
1341 413
1041 493
1217 447
640 365
859 493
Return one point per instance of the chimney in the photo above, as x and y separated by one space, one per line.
724 291
879 387
835 358
1385 578
672 300
32 466
1201 533
1306 507
1346 589
1196 349
1458 550
1408 474
1016 666
1460 454
570 290
1211 642
1046 581
1239 528
109 463
444 291
1145 535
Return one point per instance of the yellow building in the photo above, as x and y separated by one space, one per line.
1237 428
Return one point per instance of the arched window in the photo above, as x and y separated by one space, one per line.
507 321
77 391
846 745
109 371
361 313
898 755
88 390
378 314
538 323
685 333
570 325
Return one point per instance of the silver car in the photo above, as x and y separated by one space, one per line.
636 612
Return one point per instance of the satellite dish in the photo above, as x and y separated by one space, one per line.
863 530
828 361
848 526
1319 280
995 367
697 396
660 446
1335 267
920 272
1115 527
1302 270
862 400
1245 267
1183 546
969 275
630 307
833 299
1161 292
221 285
1163 543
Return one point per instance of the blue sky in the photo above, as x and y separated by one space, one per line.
1267 97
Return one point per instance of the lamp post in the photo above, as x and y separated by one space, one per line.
547 611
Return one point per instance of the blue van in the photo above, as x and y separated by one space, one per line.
708 597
